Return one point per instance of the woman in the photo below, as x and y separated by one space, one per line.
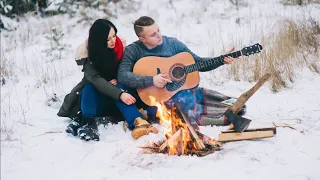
99 93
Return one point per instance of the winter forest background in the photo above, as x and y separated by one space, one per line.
38 42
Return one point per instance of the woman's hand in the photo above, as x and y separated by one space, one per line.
114 82
127 98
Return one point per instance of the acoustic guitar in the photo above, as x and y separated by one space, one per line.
181 69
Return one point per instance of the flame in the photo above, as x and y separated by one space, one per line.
172 123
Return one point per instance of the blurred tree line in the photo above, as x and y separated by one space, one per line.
19 7
12 8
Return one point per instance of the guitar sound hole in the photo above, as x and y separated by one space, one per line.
178 72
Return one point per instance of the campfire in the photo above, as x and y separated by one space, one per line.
181 137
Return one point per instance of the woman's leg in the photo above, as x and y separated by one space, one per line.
129 112
151 110
133 117
92 104
92 101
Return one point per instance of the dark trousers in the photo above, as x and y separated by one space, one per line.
96 104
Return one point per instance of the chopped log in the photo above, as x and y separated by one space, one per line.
227 137
245 96
193 133
274 129
174 138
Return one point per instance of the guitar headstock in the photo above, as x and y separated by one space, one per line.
256 48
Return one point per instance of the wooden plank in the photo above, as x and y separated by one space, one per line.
227 137
274 129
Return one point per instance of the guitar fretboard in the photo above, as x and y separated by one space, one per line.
211 63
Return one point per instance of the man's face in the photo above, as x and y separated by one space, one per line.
151 35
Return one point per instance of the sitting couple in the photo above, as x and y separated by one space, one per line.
108 86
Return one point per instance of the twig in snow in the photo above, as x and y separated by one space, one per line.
85 156
288 126
48 132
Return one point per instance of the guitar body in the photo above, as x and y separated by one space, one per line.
174 68
182 77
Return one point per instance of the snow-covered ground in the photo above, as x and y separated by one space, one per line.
207 27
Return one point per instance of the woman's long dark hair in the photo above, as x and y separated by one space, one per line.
103 58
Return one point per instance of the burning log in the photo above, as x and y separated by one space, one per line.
183 139
209 140
176 142
174 124
198 141
180 146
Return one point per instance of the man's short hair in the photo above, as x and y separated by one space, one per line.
143 21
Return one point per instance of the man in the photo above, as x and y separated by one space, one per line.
152 43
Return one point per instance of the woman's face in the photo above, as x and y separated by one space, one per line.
111 38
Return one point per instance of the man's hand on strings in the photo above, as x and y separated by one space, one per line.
160 80
229 59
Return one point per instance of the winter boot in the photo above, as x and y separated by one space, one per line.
74 125
150 114
142 127
89 131
145 116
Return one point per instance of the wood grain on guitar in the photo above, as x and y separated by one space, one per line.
181 69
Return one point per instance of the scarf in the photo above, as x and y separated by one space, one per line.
118 49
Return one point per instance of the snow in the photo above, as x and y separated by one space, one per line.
208 28
8 24
54 5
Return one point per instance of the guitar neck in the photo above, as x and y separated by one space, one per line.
210 63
